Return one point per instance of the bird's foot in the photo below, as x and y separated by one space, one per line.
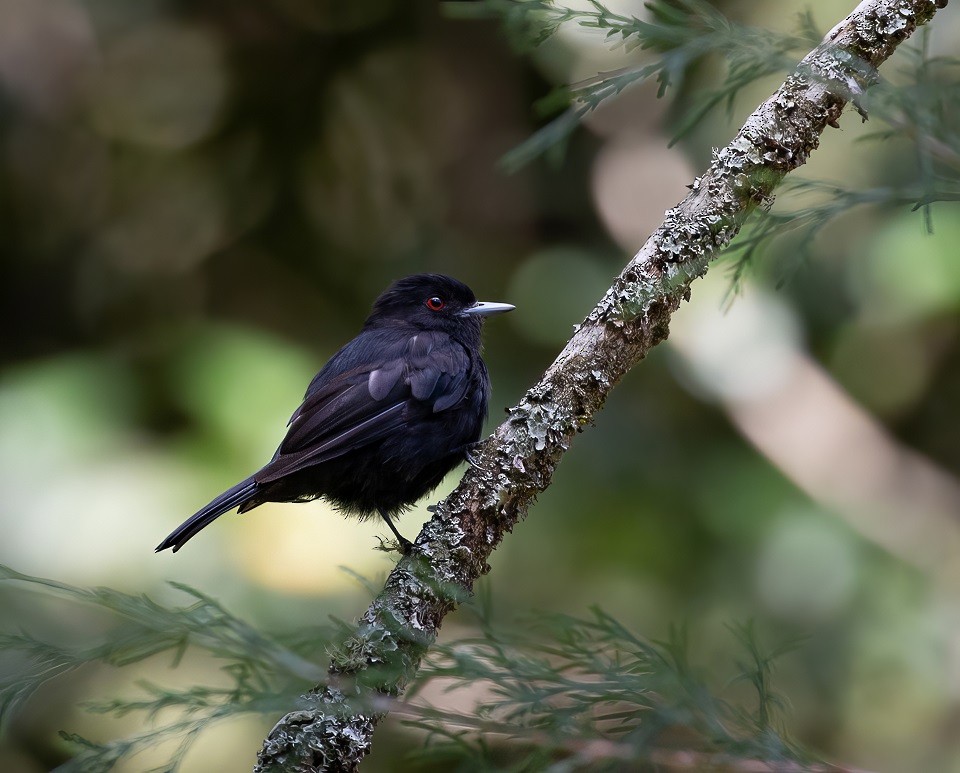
468 455
402 546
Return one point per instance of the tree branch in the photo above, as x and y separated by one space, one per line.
333 729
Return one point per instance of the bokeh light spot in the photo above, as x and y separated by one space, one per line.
553 291
243 385
162 85
807 568
739 352
884 368
907 274
46 50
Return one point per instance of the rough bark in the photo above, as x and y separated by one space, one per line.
333 729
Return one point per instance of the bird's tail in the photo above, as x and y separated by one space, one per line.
229 499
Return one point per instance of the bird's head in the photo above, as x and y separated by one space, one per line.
433 302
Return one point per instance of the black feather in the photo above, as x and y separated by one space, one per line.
386 418
224 503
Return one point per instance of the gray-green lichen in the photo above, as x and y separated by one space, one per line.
538 421
333 737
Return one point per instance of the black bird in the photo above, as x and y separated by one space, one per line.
386 418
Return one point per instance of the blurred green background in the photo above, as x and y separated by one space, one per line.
198 203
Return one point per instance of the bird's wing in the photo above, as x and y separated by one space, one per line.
438 371
348 410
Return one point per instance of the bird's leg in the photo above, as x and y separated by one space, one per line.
405 545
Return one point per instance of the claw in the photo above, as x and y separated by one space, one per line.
402 546
471 459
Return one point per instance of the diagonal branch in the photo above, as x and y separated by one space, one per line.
333 730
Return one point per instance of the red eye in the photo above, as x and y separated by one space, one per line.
435 303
